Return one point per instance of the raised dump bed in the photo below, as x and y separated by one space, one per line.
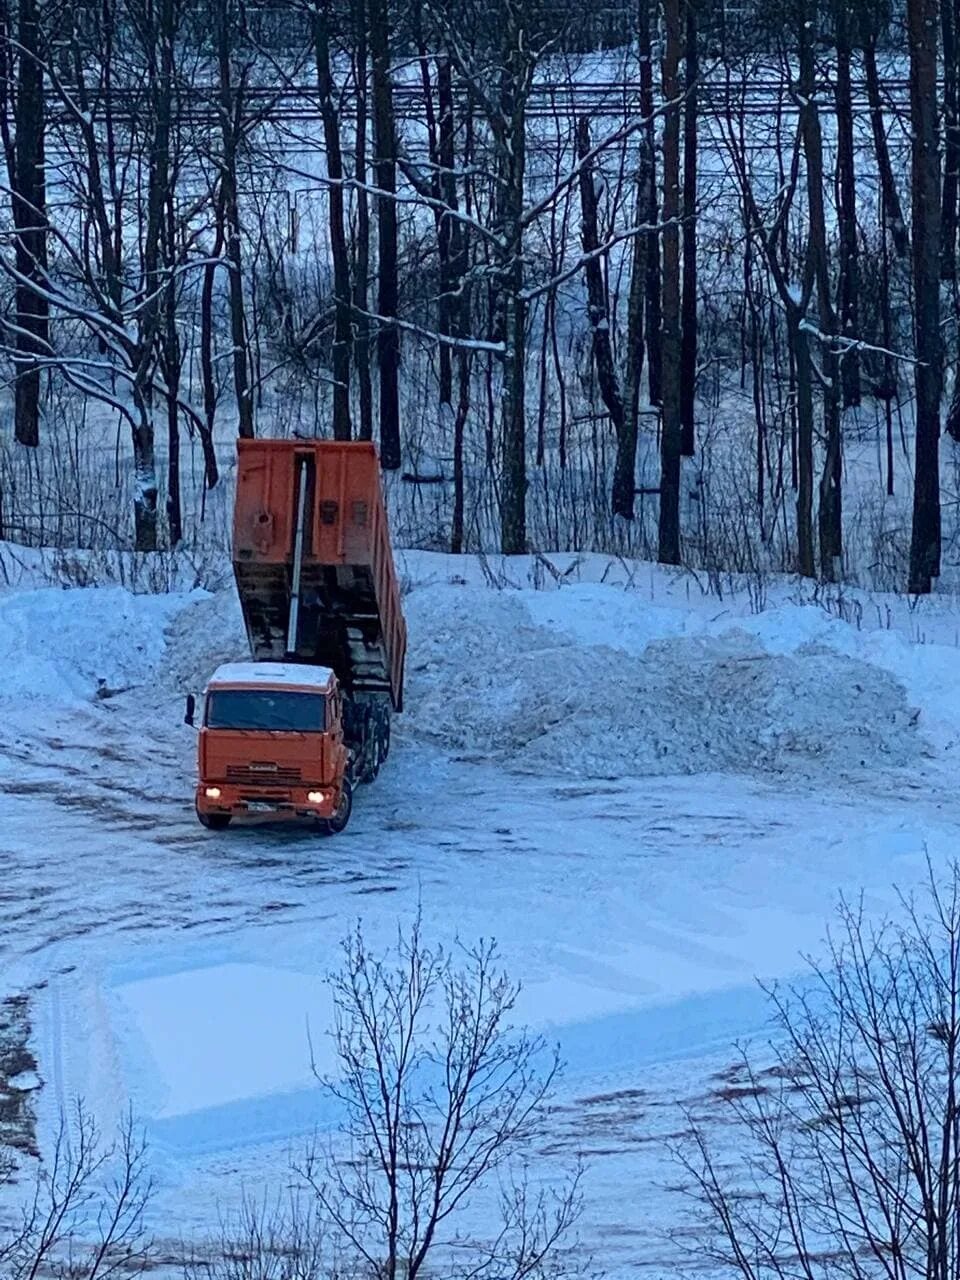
313 563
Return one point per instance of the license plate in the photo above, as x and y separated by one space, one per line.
260 806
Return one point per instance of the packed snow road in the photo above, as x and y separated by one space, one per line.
648 801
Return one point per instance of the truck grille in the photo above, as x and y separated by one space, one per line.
264 775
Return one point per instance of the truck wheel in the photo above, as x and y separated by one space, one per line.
385 739
214 821
333 826
374 761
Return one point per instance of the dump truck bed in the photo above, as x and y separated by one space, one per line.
343 611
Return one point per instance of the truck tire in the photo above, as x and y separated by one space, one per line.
214 821
338 823
374 757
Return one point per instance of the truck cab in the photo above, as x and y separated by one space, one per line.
271 743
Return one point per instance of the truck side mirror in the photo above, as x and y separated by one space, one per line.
191 711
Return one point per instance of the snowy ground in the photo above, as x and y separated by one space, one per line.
650 796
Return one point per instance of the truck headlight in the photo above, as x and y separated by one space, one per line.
316 797
212 793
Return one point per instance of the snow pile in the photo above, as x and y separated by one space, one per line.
65 645
485 679
201 637
589 679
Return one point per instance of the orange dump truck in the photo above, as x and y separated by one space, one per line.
290 733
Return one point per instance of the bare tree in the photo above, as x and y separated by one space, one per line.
86 1217
21 84
768 227
278 1238
949 19
508 122
849 267
361 239
925 177
872 18
847 1143
809 16
388 281
690 301
234 74
159 25
343 330
625 466
495 52
668 546
111 282
440 1095
647 183
598 310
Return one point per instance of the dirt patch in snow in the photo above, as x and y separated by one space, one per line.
484 680
18 1083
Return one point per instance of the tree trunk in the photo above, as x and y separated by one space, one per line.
925 180
446 157
211 469
342 336
625 467
648 145
688 336
229 206
849 290
361 265
668 547
888 186
438 117
172 359
167 16
889 372
951 139
459 426
154 321
459 253
145 476
598 309
30 217
799 343
829 513
385 142
817 258
511 161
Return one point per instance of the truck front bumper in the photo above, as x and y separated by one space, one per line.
278 802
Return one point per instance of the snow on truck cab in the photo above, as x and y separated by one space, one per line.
290 733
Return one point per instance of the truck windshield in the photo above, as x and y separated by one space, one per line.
266 709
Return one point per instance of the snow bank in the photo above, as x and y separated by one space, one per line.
201 637
486 678
589 679
62 645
